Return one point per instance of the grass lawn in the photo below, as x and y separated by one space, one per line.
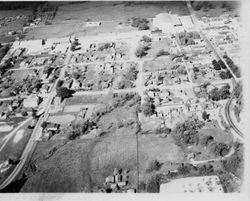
117 10
20 74
158 64
88 99
156 46
13 148
82 165
70 18
218 134
151 147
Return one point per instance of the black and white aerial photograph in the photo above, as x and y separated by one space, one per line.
121 97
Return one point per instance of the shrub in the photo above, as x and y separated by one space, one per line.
154 166
143 26
104 46
146 39
24 113
141 51
137 21
219 149
162 53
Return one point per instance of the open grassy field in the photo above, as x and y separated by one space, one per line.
164 150
117 10
15 145
158 64
15 25
156 46
71 18
218 135
88 99
82 165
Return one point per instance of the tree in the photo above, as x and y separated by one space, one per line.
141 51
219 149
196 69
64 92
162 53
59 83
43 42
205 115
73 47
216 65
148 108
24 113
44 124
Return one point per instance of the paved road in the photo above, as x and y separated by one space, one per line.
36 134
196 23
229 118
214 159
235 79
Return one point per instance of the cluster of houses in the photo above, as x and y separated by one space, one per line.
100 52
218 20
167 77
118 182
226 40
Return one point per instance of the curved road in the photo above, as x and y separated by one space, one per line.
229 119
36 134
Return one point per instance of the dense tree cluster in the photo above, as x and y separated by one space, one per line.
3 50
76 129
219 149
187 38
220 94
132 73
232 66
64 92
205 5
140 23
11 87
148 107
225 75
186 133
146 39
